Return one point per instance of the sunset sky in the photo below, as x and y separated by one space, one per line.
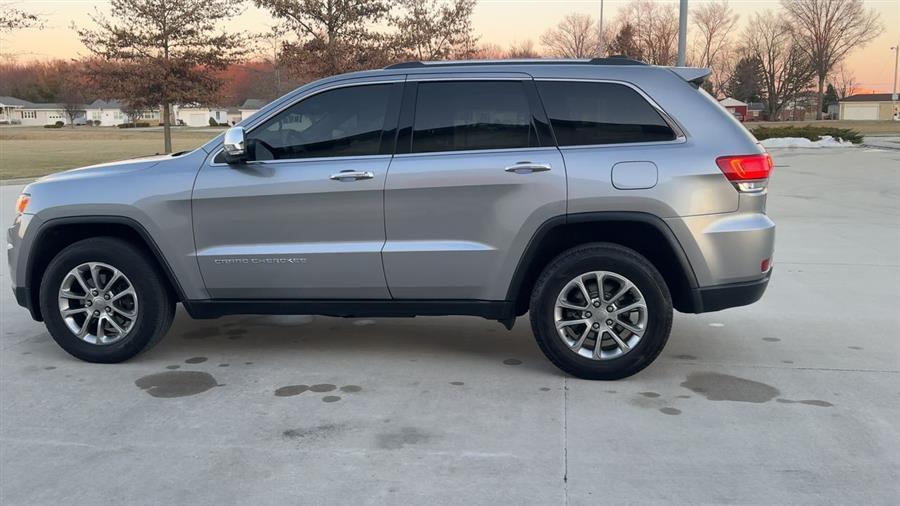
496 21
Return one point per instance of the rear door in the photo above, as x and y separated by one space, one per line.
305 218
475 174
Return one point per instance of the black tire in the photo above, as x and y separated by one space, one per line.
601 257
156 310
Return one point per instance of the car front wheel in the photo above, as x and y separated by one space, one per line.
104 300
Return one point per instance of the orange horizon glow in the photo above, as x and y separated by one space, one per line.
500 22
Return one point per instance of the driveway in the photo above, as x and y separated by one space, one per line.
795 399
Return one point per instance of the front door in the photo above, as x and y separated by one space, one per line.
304 219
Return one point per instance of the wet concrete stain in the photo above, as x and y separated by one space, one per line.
670 411
457 383
351 388
724 387
545 389
771 339
291 390
176 383
248 363
855 347
195 360
685 357
787 361
322 387
610 391
173 367
201 333
512 361
330 398
808 402
404 436
651 395
317 432
684 396
26 353
50 368
224 365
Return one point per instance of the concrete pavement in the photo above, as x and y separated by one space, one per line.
795 399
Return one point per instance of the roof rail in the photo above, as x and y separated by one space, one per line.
612 60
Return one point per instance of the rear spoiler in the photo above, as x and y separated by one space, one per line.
693 75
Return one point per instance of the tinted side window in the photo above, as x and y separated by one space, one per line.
600 113
341 122
460 115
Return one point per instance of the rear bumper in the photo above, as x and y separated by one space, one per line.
716 298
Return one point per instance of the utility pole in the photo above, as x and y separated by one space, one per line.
600 46
682 32
894 109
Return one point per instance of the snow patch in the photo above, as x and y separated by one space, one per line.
826 141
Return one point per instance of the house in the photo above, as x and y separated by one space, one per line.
755 111
873 106
199 115
114 113
234 115
22 112
251 106
9 110
737 108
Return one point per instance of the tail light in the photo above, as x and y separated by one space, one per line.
748 173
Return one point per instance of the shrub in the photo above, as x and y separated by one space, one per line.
213 123
140 124
58 124
810 132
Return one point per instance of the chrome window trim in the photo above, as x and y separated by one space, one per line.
475 151
680 135
259 122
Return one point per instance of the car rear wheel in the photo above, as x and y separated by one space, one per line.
601 311
104 300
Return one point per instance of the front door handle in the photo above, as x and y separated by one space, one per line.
528 168
346 176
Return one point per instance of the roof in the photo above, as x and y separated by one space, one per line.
105 104
254 103
869 97
15 102
732 102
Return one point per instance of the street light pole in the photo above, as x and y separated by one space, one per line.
682 32
894 111
600 45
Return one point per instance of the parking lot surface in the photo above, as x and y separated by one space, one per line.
795 399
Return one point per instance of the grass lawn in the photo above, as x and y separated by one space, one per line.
863 127
32 151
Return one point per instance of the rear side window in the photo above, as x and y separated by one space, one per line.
341 122
584 113
462 115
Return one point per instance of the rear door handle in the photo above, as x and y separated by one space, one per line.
528 168
346 176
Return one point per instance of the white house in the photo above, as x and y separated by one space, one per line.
251 106
112 113
199 116
23 112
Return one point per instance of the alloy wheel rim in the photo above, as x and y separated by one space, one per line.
600 315
98 303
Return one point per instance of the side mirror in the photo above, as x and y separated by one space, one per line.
235 148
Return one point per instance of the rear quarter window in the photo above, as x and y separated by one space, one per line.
587 113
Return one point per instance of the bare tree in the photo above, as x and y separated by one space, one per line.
655 29
576 36
713 24
332 36
161 52
844 81
523 49
828 30
433 29
487 52
12 18
785 68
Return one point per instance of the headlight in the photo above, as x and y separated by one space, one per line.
22 203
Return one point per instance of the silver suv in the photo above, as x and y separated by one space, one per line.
594 195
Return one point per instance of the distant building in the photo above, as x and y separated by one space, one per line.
735 107
873 106
234 115
251 106
9 110
199 115
114 113
16 111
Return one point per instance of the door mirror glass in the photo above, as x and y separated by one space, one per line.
235 147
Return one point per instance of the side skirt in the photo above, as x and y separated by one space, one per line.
502 310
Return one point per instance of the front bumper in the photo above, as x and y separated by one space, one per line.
716 298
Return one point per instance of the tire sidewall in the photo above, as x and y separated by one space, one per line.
619 261
150 295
